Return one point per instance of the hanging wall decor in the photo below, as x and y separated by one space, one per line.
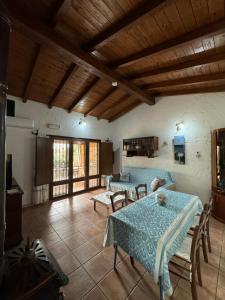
179 149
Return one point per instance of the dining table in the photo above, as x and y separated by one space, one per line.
151 233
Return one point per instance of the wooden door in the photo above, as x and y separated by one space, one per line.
61 168
43 162
106 158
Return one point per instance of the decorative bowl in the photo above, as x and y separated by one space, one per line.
161 199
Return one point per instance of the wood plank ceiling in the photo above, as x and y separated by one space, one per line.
68 53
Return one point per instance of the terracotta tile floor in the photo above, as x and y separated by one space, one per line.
73 231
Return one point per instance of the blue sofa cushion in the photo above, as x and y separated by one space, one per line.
138 176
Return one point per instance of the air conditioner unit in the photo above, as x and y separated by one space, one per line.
19 122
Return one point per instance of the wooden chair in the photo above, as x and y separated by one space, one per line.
206 234
141 190
189 253
123 200
208 211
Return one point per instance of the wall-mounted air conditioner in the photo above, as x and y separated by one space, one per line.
19 122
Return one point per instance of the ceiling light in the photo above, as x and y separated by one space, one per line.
82 122
180 125
114 83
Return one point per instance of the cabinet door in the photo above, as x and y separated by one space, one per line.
43 164
106 158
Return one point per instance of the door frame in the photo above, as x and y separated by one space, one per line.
71 180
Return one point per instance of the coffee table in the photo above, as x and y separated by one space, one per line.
104 199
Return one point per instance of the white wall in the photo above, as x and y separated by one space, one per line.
200 113
20 142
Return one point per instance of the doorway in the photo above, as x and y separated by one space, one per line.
75 166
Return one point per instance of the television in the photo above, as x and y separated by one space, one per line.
9 172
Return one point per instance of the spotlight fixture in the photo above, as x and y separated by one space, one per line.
82 122
114 83
180 126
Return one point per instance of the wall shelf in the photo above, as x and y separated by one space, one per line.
143 146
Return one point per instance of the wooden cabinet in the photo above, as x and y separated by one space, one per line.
218 173
13 234
144 146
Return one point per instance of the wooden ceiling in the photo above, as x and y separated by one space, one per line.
68 53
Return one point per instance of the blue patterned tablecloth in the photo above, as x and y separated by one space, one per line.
152 233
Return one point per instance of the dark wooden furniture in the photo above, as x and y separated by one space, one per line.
124 200
33 273
144 146
13 234
192 264
141 190
218 173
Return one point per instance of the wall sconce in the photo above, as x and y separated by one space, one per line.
198 155
82 122
180 126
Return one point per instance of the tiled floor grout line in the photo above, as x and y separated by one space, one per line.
141 277
48 226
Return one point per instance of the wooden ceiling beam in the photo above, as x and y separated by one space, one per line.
30 77
84 93
95 106
124 111
109 109
67 77
193 61
200 33
197 90
131 19
61 6
184 81
42 34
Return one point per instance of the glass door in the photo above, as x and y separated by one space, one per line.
75 167
94 176
79 166
60 168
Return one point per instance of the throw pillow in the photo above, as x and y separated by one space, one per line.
161 182
155 184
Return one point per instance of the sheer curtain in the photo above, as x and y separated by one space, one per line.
40 194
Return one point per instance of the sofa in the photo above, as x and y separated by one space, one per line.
133 176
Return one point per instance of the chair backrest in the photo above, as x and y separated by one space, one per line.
208 210
123 199
211 202
196 241
141 190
